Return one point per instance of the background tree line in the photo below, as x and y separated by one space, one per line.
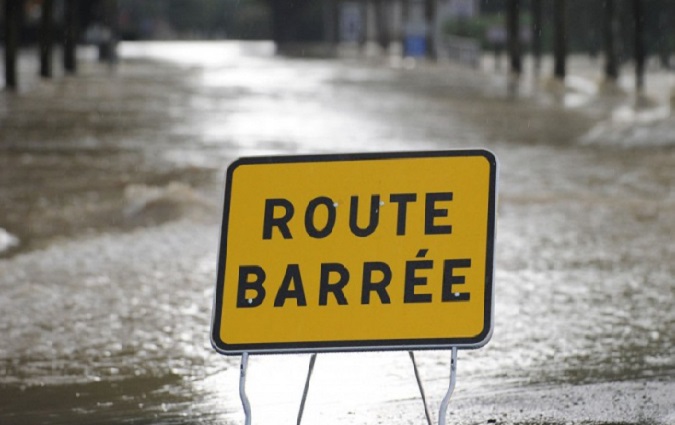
586 24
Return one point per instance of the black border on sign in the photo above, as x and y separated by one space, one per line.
371 345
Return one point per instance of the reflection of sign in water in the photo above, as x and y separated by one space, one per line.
351 22
350 252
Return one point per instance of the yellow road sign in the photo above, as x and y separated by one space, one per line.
356 252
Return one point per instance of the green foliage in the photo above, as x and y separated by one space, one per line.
473 28
251 20
476 28
194 18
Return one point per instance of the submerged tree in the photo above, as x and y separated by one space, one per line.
611 28
513 35
560 39
639 47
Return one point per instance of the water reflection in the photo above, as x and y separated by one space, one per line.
112 183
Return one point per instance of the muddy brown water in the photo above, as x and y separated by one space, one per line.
110 200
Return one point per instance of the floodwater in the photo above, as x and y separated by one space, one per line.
110 199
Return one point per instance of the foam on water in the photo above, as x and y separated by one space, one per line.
175 196
7 240
203 54
634 126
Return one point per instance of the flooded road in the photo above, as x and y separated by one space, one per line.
110 199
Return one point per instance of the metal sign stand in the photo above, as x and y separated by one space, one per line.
312 360
453 379
242 388
419 385
441 413
446 400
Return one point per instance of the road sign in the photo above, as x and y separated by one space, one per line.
356 252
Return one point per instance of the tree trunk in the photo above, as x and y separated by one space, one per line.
664 32
382 24
70 35
559 39
513 35
536 33
365 29
405 17
12 24
46 38
107 50
611 37
284 19
331 11
639 19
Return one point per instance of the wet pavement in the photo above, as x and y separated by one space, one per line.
110 199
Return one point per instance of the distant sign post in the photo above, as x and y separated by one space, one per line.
387 251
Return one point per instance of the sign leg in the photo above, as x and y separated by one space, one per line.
242 388
453 378
312 360
419 385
